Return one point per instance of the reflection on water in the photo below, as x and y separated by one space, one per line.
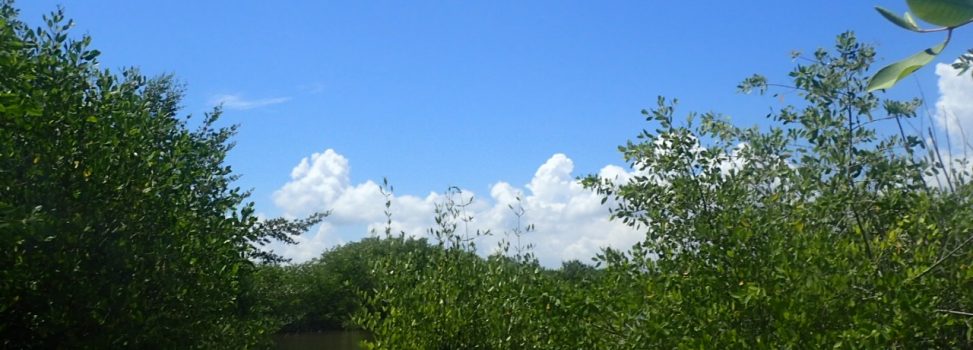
331 340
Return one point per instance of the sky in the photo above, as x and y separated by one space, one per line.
502 99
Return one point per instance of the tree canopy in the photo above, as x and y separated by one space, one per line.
119 223
120 227
818 231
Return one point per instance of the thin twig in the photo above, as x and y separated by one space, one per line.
912 157
966 140
935 145
948 30
954 312
940 261
851 182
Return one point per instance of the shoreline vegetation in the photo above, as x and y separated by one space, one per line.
830 226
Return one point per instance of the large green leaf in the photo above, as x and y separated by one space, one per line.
891 74
947 13
905 22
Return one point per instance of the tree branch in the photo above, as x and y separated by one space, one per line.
954 312
940 261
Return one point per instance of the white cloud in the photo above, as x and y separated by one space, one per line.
569 221
231 101
954 109
953 117
316 182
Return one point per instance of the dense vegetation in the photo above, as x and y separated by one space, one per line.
818 231
119 227
831 227
324 293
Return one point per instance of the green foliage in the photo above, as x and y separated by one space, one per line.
119 224
905 21
450 298
950 14
577 272
819 231
964 62
946 13
888 76
811 234
324 293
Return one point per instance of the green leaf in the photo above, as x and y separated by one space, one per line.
908 17
947 13
905 22
90 55
891 74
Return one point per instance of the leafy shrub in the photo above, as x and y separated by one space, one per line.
119 227
820 230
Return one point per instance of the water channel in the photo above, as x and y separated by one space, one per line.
330 340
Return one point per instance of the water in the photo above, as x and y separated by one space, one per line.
330 340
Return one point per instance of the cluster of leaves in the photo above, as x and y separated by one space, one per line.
450 298
324 293
949 14
119 227
817 231
327 292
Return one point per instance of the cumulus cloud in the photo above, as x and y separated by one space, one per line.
570 222
238 102
953 118
954 109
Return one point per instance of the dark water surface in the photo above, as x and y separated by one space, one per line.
331 340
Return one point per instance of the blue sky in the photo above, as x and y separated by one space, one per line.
471 94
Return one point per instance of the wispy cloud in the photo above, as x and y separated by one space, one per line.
312 88
238 102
